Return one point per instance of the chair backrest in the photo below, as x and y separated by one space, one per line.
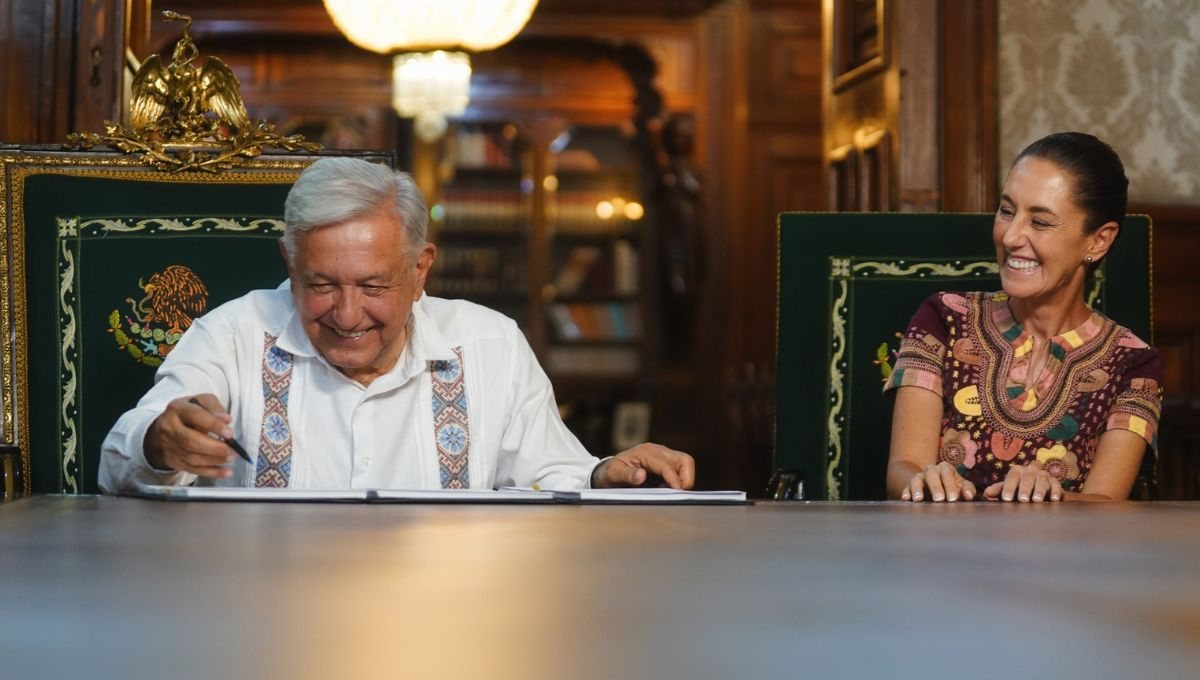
848 285
106 261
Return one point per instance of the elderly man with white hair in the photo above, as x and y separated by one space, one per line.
352 377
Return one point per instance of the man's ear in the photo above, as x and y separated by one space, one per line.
287 261
425 259
1102 239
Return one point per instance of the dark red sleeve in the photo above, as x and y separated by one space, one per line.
919 360
1138 403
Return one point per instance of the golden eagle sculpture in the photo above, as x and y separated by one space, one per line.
188 117
172 99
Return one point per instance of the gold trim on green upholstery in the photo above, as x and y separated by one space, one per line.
843 270
84 236
72 232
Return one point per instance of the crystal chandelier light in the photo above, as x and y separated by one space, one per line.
428 86
429 80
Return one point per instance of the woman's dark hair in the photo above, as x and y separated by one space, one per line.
1101 188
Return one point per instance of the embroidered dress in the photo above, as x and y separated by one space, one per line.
968 349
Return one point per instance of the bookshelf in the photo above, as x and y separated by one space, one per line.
593 219
548 206
480 219
547 224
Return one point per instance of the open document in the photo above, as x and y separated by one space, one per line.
236 493
224 493
503 495
651 495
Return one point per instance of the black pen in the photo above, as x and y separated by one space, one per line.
231 442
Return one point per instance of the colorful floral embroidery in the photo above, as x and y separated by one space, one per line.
1005 446
958 448
273 468
451 422
1096 377
1059 462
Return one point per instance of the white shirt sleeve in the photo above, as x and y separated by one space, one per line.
204 361
536 447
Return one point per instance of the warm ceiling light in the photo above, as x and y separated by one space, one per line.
430 86
420 25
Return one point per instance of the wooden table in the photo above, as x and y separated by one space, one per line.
111 587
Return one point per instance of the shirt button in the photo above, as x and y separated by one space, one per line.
366 461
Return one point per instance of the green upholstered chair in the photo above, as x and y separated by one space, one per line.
106 261
848 285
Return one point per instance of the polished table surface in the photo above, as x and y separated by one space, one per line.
122 587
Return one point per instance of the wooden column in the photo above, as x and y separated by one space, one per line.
967 91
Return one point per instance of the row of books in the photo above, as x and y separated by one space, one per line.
592 361
484 210
503 210
617 321
454 288
467 270
586 269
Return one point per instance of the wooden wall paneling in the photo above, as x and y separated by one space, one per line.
99 64
777 128
858 97
842 178
331 66
860 41
239 19
63 66
673 43
918 123
970 138
874 170
785 69
587 85
321 87
932 88
576 8
36 39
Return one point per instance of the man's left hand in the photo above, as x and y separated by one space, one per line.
632 467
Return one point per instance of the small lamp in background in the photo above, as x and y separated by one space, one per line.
430 75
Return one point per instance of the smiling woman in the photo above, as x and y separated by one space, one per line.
1028 394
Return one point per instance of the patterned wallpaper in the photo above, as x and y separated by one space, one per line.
1127 71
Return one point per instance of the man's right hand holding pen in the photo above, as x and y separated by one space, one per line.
184 438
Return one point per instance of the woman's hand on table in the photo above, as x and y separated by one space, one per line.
943 482
1026 484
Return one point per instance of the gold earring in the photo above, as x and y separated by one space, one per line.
1089 259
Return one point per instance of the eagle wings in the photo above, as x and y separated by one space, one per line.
176 96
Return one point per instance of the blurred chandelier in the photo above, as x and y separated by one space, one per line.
430 79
